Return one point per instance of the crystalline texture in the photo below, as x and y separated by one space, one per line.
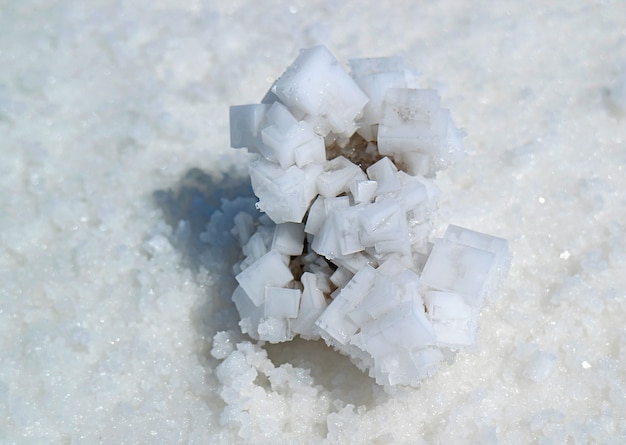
344 253
315 84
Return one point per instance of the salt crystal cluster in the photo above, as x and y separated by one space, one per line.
344 174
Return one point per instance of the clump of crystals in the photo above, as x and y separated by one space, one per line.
344 174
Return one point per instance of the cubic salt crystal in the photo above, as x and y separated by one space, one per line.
413 120
249 313
455 333
498 246
389 291
398 368
458 268
289 238
375 76
311 152
382 221
289 139
447 306
454 321
379 300
312 305
316 216
281 302
360 284
246 123
315 84
336 236
363 191
400 247
338 175
415 163
255 248
326 241
309 187
284 195
340 277
338 203
413 191
354 262
269 270
334 323
384 173
407 326
345 221
373 343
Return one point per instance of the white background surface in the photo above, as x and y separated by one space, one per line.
107 315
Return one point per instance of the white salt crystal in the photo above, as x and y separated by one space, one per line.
331 204
246 123
389 319
384 173
455 333
334 323
326 241
459 269
249 313
415 163
340 277
311 151
269 270
407 326
288 238
316 216
354 262
498 246
312 305
339 174
447 306
375 76
345 222
359 285
455 323
281 302
363 191
255 248
383 221
284 195
284 136
411 121
413 192
317 85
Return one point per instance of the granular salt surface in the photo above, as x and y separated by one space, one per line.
114 155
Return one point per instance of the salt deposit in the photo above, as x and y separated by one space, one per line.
120 190
398 306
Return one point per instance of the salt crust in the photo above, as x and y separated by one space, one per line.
345 253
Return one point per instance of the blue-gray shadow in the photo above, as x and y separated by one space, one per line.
200 209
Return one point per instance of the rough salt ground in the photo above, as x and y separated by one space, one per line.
106 316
